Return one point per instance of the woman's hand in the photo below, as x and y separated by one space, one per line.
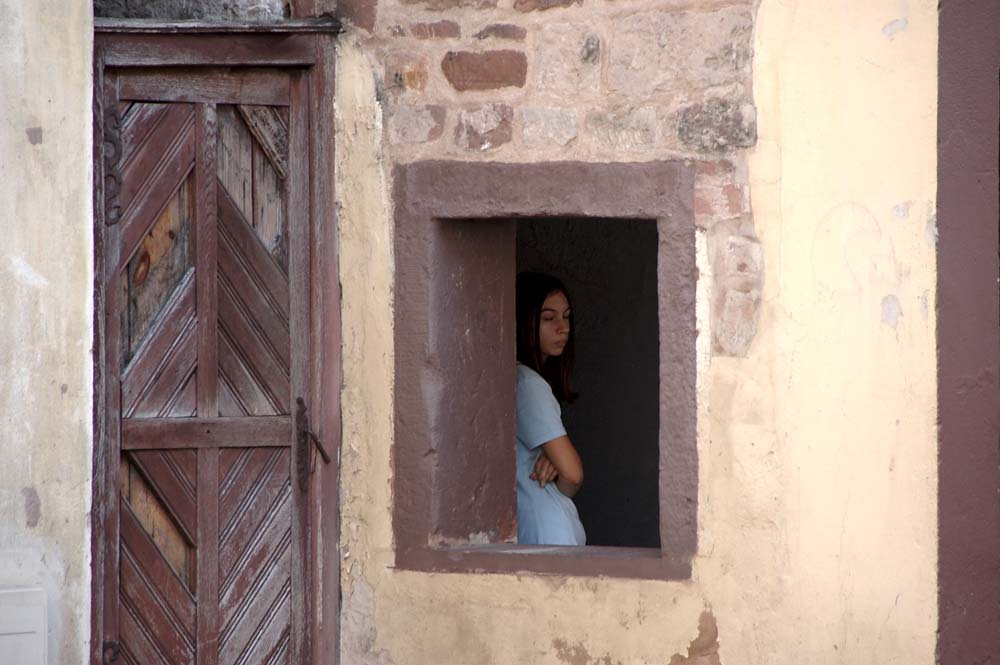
545 471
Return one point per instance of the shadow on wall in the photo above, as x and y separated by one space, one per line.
609 266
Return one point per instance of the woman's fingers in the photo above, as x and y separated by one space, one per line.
545 471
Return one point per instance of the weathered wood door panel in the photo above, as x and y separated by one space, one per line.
207 349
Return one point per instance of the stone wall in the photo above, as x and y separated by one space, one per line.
543 80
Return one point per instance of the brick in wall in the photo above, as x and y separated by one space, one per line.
503 31
489 70
539 5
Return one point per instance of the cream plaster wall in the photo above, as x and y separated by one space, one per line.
818 451
46 311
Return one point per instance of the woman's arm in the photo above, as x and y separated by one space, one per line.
565 459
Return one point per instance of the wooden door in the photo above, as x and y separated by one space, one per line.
206 287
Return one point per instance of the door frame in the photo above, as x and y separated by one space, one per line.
968 336
309 46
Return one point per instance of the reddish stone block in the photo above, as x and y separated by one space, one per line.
503 31
713 166
466 70
734 199
436 30
541 5
720 192
702 206
358 12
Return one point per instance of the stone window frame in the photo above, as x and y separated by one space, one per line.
429 470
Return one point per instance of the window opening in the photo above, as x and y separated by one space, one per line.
456 258
609 267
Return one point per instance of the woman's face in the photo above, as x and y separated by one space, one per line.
553 326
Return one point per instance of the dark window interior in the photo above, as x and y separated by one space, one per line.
609 267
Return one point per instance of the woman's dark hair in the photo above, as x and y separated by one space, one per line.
532 290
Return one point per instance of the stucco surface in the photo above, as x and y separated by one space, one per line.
46 311
817 533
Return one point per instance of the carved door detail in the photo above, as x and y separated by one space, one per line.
206 321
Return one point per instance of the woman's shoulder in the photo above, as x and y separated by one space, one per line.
525 373
528 380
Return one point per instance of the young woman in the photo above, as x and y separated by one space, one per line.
549 471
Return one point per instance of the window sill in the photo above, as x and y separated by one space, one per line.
627 562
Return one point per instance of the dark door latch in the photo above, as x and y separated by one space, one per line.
305 436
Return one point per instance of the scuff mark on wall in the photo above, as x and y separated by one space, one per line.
32 506
891 310
894 27
931 231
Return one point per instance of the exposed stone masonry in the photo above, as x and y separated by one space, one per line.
595 80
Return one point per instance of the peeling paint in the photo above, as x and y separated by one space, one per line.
25 273
357 621
704 648
577 654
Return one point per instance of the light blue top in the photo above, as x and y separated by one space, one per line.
545 516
